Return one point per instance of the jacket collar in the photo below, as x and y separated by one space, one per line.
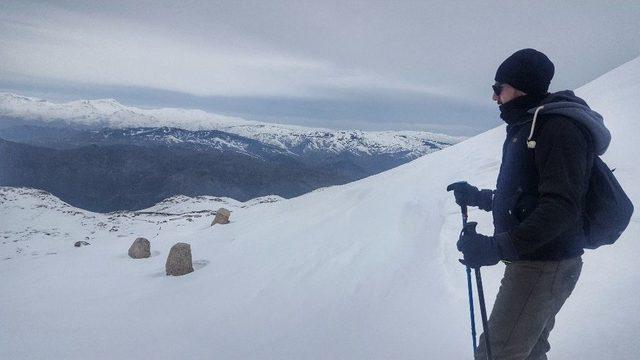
515 111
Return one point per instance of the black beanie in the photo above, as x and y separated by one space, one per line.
527 70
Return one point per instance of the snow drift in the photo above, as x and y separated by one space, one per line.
366 270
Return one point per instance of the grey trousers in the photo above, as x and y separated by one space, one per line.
531 294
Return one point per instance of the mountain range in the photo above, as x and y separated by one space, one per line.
103 156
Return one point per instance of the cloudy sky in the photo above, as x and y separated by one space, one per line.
424 65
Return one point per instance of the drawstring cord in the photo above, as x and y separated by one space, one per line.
531 144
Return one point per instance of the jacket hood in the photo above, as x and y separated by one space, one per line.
566 103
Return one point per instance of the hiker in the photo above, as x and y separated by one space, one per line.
538 205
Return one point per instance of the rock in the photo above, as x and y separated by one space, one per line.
140 249
179 260
81 243
222 217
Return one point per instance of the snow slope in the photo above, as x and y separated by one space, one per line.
366 270
111 114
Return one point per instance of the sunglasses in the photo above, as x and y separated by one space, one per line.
497 88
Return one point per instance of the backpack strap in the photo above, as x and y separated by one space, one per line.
531 144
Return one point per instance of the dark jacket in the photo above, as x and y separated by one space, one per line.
539 198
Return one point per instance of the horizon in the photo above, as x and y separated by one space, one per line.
213 115
68 99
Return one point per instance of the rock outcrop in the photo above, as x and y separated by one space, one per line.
222 217
140 249
179 261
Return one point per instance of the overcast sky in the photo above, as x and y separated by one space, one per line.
424 65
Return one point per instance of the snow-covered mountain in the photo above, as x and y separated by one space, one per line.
102 156
366 270
211 140
108 113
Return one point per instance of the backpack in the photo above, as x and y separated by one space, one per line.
607 208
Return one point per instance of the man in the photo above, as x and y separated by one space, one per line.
537 205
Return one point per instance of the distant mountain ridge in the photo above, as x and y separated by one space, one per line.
201 140
109 113
103 156
106 178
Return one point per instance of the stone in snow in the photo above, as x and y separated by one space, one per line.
140 249
81 243
179 260
222 217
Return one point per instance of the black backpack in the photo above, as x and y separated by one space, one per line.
608 209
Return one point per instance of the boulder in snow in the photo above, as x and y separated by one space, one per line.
81 243
140 249
222 217
179 260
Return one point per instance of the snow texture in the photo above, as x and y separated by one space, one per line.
366 270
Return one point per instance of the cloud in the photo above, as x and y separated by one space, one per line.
70 46
408 60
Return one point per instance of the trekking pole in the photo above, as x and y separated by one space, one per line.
463 208
483 308
483 313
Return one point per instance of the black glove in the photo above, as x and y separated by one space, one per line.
481 250
467 194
